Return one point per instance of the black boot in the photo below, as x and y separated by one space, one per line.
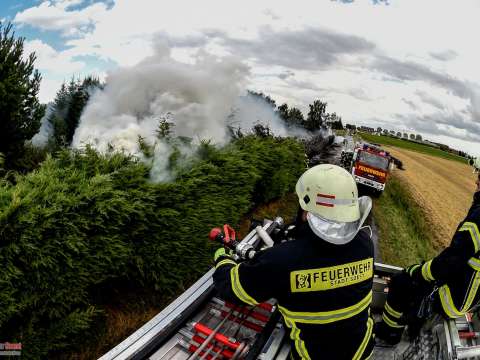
388 335
413 328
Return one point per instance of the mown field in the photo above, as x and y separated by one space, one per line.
422 204
441 187
410 145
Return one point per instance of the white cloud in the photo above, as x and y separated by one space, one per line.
58 16
57 67
51 60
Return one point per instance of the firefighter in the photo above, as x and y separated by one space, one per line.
323 278
448 283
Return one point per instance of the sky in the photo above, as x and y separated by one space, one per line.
406 65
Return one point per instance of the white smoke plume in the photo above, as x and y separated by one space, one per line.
199 96
202 100
159 172
249 110
45 132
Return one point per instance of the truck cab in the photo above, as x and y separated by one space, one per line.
370 166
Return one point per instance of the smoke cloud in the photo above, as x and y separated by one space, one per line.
159 171
46 129
201 99
249 110
198 96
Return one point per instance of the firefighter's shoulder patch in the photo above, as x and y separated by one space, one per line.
332 277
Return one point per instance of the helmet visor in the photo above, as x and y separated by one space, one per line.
339 232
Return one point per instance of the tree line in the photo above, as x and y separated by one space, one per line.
385 132
316 119
408 137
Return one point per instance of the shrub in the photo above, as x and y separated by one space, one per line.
83 221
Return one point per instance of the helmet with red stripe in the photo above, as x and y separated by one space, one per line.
329 192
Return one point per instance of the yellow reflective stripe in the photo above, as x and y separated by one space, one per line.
325 317
289 324
305 353
299 343
361 349
473 229
294 335
224 262
472 293
427 272
474 263
447 302
412 269
392 312
238 289
391 323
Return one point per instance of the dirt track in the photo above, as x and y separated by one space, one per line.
443 187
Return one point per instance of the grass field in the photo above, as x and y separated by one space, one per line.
404 236
409 145
340 132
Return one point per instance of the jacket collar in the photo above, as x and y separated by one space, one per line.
476 198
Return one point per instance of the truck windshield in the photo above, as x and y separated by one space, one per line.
379 162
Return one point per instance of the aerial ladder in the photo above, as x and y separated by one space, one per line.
200 325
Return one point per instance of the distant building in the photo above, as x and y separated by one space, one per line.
366 129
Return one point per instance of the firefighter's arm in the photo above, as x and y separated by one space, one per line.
451 261
248 282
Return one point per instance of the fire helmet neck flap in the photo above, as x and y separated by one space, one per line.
329 194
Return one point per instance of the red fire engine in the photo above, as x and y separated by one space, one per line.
369 165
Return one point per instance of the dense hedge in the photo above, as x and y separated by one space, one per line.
83 220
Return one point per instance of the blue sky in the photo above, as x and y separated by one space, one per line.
8 10
51 42
374 62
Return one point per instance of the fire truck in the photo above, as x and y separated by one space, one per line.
369 165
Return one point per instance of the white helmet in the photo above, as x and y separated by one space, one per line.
330 192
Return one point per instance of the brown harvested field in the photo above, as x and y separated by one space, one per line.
444 188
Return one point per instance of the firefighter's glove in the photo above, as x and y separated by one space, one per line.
415 272
418 280
413 269
222 253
